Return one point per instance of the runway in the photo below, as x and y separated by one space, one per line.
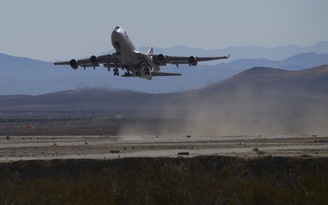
16 148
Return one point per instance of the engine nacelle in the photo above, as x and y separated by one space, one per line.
192 60
161 59
94 60
73 63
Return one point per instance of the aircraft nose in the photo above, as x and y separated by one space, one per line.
116 36
116 31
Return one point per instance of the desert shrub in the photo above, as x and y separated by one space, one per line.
199 180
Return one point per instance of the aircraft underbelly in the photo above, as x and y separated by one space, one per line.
129 58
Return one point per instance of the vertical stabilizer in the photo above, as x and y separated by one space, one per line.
150 51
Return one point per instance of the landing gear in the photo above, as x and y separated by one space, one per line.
147 71
116 72
138 73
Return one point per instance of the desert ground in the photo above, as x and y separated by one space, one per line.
34 139
15 148
119 161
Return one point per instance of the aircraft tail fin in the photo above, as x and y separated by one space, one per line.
151 51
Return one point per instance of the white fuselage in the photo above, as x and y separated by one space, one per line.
125 47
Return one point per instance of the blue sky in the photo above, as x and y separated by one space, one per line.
64 29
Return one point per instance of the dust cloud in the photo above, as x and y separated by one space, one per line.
258 101
240 111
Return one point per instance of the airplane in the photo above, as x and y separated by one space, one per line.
135 63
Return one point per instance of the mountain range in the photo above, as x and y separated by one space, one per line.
247 52
33 77
258 100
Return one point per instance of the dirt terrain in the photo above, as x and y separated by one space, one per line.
147 161
98 138
17 148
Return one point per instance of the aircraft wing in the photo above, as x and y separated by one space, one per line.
109 60
191 60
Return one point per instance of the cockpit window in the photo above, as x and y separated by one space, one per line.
117 27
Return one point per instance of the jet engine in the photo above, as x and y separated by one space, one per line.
161 59
192 60
94 60
73 63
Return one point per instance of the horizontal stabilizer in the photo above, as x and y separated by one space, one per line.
155 74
